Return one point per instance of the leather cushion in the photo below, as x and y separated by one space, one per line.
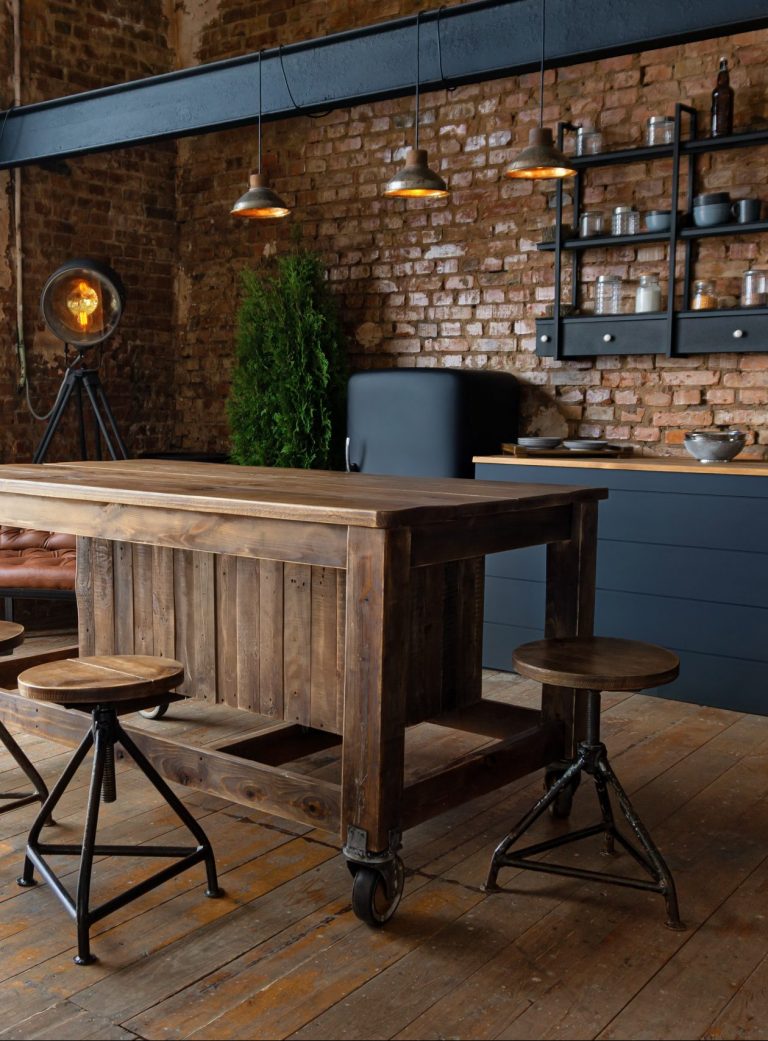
31 559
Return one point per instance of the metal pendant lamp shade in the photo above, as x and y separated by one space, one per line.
416 180
541 160
260 202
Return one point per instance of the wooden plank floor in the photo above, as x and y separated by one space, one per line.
282 956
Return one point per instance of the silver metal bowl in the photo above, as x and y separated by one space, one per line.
715 446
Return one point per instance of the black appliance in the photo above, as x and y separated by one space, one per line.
428 422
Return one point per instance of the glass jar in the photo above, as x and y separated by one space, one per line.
590 223
660 130
704 298
648 295
608 294
754 287
588 141
625 221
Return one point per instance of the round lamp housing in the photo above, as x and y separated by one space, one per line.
416 180
541 159
82 302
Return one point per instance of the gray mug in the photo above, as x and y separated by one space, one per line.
745 211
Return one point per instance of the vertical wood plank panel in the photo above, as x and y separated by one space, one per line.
103 595
163 606
183 619
271 638
469 664
297 641
86 622
226 629
204 624
424 694
324 653
248 651
123 572
341 646
143 628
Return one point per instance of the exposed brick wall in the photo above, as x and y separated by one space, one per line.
459 283
118 207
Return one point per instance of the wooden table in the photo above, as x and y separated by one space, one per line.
344 608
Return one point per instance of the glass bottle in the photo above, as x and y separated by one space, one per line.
704 298
648 295
722 103
608 295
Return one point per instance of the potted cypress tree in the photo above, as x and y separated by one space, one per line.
287 405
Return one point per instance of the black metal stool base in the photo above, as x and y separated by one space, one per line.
12 800
592 759
104 733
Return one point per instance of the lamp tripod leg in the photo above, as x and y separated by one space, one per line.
65 393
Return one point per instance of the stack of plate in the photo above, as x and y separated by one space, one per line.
588 444
539 442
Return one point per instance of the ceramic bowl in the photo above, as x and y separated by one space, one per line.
715 446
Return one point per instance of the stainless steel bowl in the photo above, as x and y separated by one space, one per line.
715 446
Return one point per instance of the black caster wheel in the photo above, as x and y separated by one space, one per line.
373 901
155 713
561 808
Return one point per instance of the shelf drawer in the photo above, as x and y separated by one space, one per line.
699 332
585 337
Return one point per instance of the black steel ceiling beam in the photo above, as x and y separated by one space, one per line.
469 43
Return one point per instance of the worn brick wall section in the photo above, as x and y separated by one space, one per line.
459 283
118 207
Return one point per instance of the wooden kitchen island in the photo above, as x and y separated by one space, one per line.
328 611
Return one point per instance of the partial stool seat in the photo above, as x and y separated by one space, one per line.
589 665
106 686
11 635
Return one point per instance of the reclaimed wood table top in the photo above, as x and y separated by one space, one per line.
361 500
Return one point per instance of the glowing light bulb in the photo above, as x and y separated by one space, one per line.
82 301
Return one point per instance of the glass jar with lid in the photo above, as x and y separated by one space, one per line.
704 298
625 220
608 294
648 295
588 141
660 130
754 285
590 223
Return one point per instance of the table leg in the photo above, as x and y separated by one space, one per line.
375 675
571 610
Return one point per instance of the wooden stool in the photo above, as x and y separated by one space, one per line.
106 686
590 665
11 635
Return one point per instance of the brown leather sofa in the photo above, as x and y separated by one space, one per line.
35 564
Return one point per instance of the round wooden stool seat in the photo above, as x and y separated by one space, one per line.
11 635
103 679
596 663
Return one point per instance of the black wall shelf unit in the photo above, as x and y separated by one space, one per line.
568 334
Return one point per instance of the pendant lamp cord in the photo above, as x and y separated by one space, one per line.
543 39
418 72
259 169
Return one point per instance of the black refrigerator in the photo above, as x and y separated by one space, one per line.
428 422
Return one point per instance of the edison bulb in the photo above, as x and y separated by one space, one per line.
82 301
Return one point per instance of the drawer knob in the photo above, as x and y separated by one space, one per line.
544 338
607 337
738 333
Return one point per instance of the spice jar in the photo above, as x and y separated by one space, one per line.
625 221
660 130
608 294
648 295
753 288
590 223
704 298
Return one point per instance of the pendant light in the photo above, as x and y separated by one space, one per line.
416 180
260 201
541 159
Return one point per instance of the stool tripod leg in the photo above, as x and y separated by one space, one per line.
82 917
607 811
570 775
21 760
656 863
27 875
177 806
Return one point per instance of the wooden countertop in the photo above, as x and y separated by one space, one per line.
668 464
363 500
